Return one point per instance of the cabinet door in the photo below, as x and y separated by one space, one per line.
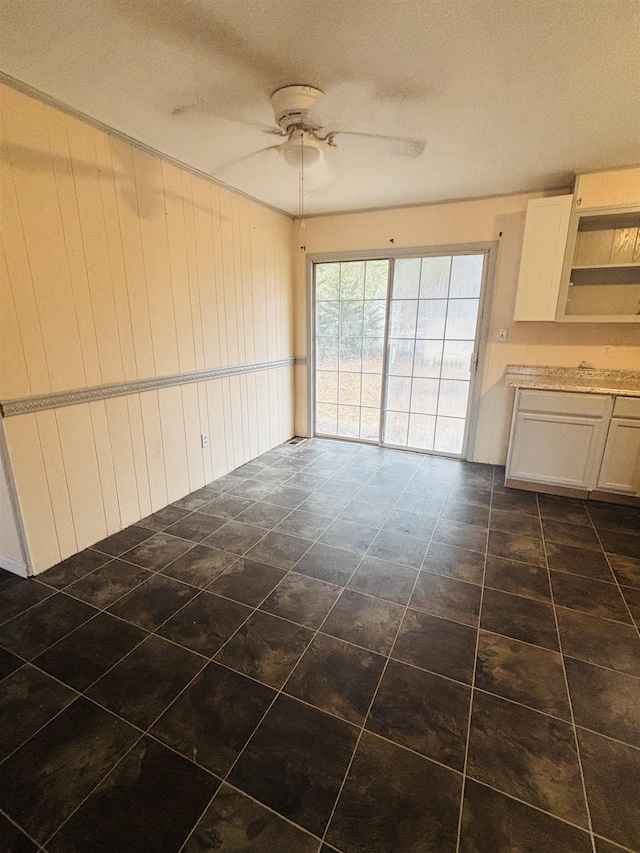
620 471
543 250
562 450
616 188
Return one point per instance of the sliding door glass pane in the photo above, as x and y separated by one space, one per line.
351 316
432 329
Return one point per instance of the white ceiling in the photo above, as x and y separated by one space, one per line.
509 94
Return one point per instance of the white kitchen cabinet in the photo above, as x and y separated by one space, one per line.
581 253
620 470
543 251
558 438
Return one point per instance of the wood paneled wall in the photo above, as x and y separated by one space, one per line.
115 266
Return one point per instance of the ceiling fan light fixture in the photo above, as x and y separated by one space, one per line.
301 149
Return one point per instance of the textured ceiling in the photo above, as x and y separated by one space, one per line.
510 95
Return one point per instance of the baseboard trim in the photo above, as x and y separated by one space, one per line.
14 566
26 405
567 492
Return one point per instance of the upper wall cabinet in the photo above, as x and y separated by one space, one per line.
581 253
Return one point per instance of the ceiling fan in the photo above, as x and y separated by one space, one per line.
306 141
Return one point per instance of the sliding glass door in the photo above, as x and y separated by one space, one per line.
351 310
397 369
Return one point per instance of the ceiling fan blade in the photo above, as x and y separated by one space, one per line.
208 108
243 159
401 144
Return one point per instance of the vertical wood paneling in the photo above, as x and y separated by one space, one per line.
119 266
57 482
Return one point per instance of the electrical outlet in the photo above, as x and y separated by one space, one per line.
502 336
204 438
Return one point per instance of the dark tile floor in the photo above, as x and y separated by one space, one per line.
334 648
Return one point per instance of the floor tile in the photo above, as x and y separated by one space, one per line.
306 525
205 624
142 685
262 514
154 601
623 544
515 522
605 701
14 840
227 506
466 512
200 566
164 517
123 541
513 500
524 549
234 822
303 480
439 645
48 777
157 552
287 496
568 510
519 578
520 618
612 779
461 535
599 641
195 501
632 598
570 534
28 700
87 653
74 568
589 596
150 801
249 469
620 519
327 505
251 489
248 582
195 527
349 536
303 600
454 562
296 761
214 717
18 594
365 621
383 580
423 505
495 823
326 563
448 598
396 801
410 524
362 512
235 537
607 847
336 677
526 754
463 493
422 711
266 648
522 673
578 561
398 548
8 663
278 549
43 625
108 583
626 570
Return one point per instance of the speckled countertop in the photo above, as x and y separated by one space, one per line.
586 380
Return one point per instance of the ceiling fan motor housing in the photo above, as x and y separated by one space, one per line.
291 104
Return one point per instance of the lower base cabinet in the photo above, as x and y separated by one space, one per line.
575 443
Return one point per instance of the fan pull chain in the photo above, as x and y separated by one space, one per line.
301 225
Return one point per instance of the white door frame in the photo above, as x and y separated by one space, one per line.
489 249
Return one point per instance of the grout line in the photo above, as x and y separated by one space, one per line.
473 683
571 712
